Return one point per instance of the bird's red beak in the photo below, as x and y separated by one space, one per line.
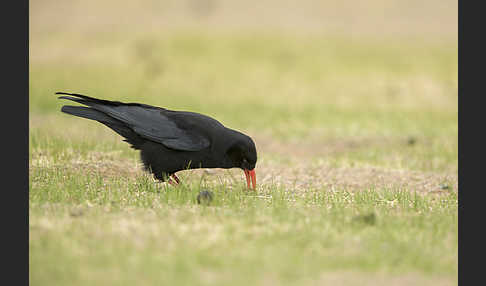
250 174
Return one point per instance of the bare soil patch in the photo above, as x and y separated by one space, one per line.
301 177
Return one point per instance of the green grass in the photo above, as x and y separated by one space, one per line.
87 229
332 90
356 173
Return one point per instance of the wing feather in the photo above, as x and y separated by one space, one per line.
149 122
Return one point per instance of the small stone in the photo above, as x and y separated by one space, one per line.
204 197
75 212
445 187
411 141
369 219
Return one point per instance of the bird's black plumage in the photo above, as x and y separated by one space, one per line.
170 141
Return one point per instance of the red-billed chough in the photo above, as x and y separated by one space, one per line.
171 141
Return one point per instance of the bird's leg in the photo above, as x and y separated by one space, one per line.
171 182
175 178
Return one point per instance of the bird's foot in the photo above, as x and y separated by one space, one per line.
174 180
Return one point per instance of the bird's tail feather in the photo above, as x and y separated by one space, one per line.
116 125
86 100
88 113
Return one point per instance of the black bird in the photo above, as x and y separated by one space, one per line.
171 141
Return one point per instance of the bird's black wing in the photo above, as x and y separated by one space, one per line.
149 122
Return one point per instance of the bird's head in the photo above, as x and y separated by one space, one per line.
242 154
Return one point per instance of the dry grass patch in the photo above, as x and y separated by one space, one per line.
300 176
296 175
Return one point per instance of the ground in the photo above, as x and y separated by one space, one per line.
356 132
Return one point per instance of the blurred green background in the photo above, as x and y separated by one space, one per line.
307 71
